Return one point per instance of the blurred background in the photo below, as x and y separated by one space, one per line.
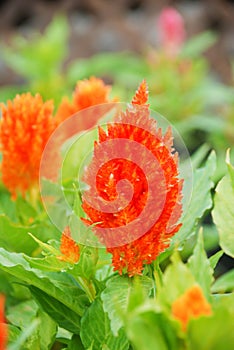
105 25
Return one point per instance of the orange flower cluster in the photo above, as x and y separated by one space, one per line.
69 248
88 93
3 326
25 127
141 248
192 304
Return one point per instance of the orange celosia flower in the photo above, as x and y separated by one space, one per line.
69 248
25 127
138 241
88 92
192 304
3 326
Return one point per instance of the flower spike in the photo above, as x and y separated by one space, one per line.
141 96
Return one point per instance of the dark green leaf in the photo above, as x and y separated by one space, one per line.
60 313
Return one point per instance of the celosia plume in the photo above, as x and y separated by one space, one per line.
25 127
171 30
136 227
3 326
69 248
192 304
88 92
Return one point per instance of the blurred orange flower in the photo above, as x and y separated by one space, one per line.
139 139
25 127
192 304
88 92
69 248
3 326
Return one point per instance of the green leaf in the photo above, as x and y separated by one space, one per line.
216 331
148 330
200 202
75 344
225 283
25 313
14 236
177 278
21 341
223 212
55 284
13 333
47 330
42 55
200 266
117 65
117 295
214 259
96 332
60 313
198 44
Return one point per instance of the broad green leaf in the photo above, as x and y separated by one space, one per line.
47 330
200 266
177 278
13 333
96 332
42 54
23 341
214 259
200 202
55 284
14 236
216 331
225 283
60 313
116 297
75 343
25 313
223 212
117 65
198 44
151 331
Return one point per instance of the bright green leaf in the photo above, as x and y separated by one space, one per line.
225 283
200 201
96 331
200 266
116 297
223 212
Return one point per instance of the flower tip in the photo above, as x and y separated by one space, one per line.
69 248
141 96
171 29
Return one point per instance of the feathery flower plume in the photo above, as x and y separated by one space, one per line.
25 127
88 92
192 304
136 227
69 248
171 30
3 326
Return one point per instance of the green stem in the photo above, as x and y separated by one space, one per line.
88 288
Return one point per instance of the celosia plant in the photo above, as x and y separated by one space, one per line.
25 127
135 125
118 281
